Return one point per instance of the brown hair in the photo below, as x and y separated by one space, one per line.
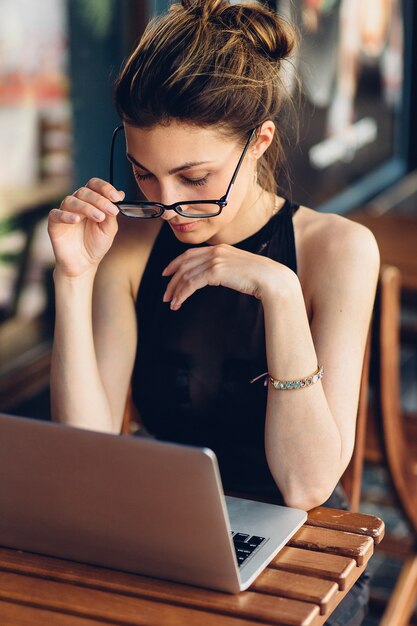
207 62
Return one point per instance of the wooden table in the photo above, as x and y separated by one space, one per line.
302 586
396 234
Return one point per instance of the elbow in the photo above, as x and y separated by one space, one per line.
306 500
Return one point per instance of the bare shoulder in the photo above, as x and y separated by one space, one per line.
330 245
326 237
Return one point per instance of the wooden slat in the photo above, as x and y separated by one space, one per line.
123 610
247 605
358 547
322 619
358 523
21 615
329 558
339 569
298 587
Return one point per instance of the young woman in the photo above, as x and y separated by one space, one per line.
188 308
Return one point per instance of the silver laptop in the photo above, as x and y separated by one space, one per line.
132 504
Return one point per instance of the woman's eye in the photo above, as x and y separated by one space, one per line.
197 182
141 177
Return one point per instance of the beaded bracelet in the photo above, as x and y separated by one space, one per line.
293 384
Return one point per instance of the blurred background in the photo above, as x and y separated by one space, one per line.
356 155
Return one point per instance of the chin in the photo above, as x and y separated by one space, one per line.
191 238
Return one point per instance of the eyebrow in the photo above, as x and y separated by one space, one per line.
180 168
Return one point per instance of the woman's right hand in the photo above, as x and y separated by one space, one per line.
82 230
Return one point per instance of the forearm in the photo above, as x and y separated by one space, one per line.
78 396
302 440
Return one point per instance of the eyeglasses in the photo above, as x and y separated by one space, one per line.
187 208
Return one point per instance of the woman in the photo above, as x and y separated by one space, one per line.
192 306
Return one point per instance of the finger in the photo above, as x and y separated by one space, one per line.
75 205
57 216
189 254
105 189
97 200
189 265
191 281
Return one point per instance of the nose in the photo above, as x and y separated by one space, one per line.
168 197
168 215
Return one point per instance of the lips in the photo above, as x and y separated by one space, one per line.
185 226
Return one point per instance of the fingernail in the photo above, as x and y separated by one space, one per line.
174 303
113 210
165 298
98 215
116 196
163 272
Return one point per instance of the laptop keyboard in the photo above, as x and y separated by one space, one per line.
245 545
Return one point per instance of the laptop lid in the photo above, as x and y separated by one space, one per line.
128 503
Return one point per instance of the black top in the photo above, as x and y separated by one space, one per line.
191 381
193 367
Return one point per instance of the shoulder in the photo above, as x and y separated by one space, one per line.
329 238
334 248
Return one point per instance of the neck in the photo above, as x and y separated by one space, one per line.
254 213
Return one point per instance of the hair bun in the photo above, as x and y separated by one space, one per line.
205 9
268 33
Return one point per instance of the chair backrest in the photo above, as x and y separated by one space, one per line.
383 341
352 477
389 440
396 433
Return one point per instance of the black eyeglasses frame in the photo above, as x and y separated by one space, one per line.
176 206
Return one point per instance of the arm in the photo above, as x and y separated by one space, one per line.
115 325
94 343
309 433
95 286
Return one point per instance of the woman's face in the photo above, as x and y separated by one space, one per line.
179 162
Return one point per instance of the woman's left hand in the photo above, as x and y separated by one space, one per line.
221 265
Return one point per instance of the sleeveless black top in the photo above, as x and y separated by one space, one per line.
191 380
193 367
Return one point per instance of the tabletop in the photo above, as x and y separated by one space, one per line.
301 587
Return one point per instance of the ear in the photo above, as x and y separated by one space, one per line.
264 137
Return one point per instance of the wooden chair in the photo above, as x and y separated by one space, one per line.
352 477
130 422
391 438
